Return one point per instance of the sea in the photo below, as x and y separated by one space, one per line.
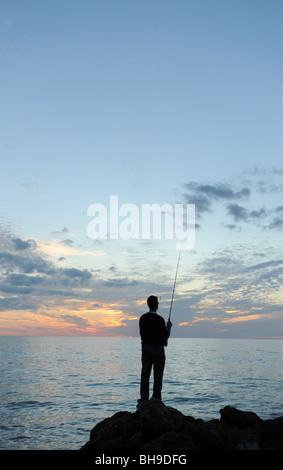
54 390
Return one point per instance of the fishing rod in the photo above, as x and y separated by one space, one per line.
174 286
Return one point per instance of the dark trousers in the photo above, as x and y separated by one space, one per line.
152 355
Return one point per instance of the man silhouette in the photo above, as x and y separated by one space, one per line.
154 335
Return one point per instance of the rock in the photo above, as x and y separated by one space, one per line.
242 439
169 442
157 419
271 432
211 435
240 419
160 429
113 434
135 443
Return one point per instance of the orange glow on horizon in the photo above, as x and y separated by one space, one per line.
243 318
69 319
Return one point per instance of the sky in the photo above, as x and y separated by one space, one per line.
153 102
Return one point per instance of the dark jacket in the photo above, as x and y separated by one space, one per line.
153 329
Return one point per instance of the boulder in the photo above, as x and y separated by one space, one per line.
170 442
242 439
271 432
240 419
159 429
157 419
210 435
112 434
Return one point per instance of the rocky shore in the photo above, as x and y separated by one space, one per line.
159 429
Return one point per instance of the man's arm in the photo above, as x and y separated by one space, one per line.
168 328
167 331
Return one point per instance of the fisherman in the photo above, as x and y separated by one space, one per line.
154 335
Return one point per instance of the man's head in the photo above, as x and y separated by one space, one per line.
152 303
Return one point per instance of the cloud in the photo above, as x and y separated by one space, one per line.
215 292
15 290
257 214
23 244
240 213
123 282
244 318
277 223
202 203
24 280
209 197
39 297
25 270
67 242
232 227
203 195
239 288
266 264
260 171
73 320
77 273
28 263
57 248
63 230
218 191
237 212
8 304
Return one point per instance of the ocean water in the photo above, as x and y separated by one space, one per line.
55 389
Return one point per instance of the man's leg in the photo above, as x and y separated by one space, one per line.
158 369
145 372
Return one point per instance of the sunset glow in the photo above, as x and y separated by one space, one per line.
128 107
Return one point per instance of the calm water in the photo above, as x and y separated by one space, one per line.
55 389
